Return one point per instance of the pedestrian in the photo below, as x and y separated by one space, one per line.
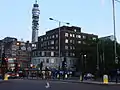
47 77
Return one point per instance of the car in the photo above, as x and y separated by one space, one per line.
12 75
89 76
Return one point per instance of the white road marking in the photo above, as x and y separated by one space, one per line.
47 84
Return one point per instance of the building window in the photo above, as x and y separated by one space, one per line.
73 41
79 42
56 42
94 38
43 53
84 37
33 53
50 37
41 45
47 37
48 42
66 40
56 35
70 35
73 35
67 53
73 47
73 54
84 42
38 53
47 60
56 47
66 47
52 47
70 47
53 36
75 30
78 36
44 38
70 41
38 60
52 60
66 34
43 60
52 42
45 47
52 53
41 39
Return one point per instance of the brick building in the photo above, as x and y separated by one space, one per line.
16 52
74 44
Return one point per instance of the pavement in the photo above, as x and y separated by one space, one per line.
69 81
18 84
76 80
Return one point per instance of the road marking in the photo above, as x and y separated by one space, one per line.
59 82
47 84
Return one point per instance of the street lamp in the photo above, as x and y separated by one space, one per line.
114 25
59 22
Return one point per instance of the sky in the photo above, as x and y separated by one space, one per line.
93 16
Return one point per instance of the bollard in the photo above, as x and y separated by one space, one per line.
81 78
105 79
6 77
66 76
58 76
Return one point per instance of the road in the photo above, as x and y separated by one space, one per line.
54 85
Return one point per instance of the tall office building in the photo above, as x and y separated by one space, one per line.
35 22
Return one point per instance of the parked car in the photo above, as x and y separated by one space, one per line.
12 75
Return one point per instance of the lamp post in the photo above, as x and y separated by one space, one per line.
85 62
114 26
59 22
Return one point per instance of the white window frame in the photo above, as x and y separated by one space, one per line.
79 36
73 35
70 35
53 36
84 37
66 41
56 35
79 42
52 42
52 53
43 53
66 34
66 47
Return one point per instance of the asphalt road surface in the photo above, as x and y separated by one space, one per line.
54 85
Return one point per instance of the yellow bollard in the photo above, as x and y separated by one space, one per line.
6 77
105 79
80 77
